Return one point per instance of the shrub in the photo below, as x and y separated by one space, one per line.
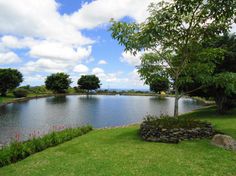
172 130
19 150
19 93
39 90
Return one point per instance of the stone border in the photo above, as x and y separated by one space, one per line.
175 135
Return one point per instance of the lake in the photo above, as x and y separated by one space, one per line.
45 114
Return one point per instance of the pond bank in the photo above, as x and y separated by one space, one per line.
16 100
120 151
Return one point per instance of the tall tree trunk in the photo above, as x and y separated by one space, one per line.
221 102
176 107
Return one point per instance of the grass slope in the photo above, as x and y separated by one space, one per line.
120 151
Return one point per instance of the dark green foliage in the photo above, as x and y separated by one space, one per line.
58 82
222 83
20 92
89 82
19 150
78 90
165 121
159 84
9 79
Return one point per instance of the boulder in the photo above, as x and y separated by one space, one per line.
224 141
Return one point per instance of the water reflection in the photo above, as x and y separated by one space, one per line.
57 100
99 111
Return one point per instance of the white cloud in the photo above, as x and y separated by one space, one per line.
59 51
81 68
9 58
102 62
131 59
45 65
9 41
48 51
33 80
39 19
119 79
134 79
54 42
98 71
101 11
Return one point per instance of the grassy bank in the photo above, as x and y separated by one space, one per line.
17 151
120 151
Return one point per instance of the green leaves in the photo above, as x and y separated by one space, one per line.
9 79
89 82
226 81
58 82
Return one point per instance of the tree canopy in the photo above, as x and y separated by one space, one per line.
58 82
173 35
9 79
89 82
159 84
222 86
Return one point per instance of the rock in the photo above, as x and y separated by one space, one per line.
224 141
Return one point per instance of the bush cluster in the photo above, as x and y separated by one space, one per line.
173 130
19 150
20 92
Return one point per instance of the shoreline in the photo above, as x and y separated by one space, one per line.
17 100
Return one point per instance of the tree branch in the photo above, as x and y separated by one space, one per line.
191 91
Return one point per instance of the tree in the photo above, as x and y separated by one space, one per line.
89 82
159 84
58 82
222 86
9 79
173 34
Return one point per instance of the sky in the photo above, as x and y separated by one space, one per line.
43 37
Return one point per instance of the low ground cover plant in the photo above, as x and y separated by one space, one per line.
19 150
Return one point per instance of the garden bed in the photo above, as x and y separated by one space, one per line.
172 130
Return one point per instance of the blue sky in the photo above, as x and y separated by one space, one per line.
44 37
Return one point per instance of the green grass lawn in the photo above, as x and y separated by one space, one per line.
9 98
120 151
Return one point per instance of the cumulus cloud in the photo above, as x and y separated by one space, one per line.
12 42
9 58
59 51
53 42
101 11
39 19
81 68
34 79
45 65
131 59
98 71
102 62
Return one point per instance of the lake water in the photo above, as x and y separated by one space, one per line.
43 114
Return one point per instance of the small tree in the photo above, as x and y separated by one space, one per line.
174 33
89 82
58 82
9 79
